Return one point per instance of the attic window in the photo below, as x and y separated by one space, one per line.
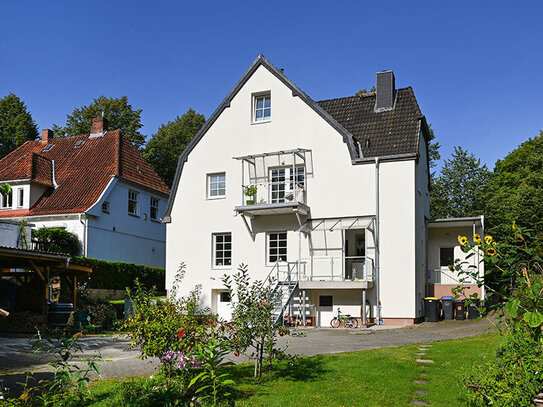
79 143
48 147
261 107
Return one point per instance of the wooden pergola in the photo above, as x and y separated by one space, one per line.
46 266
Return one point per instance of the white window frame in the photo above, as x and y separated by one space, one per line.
217 183
20 198
223 249
261 96
278 239
133 197
288 182
7 201
154 204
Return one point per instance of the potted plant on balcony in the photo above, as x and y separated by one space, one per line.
250 192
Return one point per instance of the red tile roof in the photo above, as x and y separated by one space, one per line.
81 173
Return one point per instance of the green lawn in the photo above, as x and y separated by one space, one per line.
381 377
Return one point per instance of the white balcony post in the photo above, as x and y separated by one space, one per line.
332 268
242 182
295 188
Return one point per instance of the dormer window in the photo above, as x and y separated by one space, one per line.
7 201
262 108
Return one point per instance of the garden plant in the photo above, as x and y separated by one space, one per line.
515 266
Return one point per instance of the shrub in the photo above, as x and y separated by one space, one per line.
116 275
513 378
57 240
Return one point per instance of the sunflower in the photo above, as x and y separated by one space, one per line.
477 238
463 240
488 239
491 251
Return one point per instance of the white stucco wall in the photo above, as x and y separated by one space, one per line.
335 188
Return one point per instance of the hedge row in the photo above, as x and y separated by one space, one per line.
116 275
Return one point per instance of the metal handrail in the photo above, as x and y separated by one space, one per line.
368 273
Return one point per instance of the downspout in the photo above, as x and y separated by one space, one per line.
483 287
377 243
84 223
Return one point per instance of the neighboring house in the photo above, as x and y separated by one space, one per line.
95 185
341 211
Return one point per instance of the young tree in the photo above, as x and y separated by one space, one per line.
252 317
16 124
515 191
119 113
459 190
163 149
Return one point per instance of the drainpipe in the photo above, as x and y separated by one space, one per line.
377 243
84 223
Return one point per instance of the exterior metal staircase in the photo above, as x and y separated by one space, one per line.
284 276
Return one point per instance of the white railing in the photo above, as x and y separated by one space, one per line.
446 276
338 268
275 192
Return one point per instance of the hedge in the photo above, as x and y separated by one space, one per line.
116 275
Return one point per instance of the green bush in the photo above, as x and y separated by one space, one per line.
57 240
513 378
116 275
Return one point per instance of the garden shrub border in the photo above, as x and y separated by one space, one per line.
117 275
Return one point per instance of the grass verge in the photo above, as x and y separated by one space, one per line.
374 378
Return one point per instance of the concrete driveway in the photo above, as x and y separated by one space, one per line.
16 357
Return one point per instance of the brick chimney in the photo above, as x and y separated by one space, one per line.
46 135
386 91
99 125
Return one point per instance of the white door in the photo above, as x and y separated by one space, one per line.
224 309
325 310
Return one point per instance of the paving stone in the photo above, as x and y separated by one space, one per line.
425 346
424 374
420 381
423 349
416 402
424 360
423 392
420 354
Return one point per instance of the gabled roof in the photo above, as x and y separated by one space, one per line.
390 132
77 176
296 91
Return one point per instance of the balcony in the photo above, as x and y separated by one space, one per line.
327 272
274 183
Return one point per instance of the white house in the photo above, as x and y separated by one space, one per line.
95 185
341 210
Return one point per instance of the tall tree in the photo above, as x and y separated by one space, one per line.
167 144
16 124
515 191
119 113
362 91
459 190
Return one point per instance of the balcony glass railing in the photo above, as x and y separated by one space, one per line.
273 193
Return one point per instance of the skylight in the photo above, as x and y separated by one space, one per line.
79 143
48 147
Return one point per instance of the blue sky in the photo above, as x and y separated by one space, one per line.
476 66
